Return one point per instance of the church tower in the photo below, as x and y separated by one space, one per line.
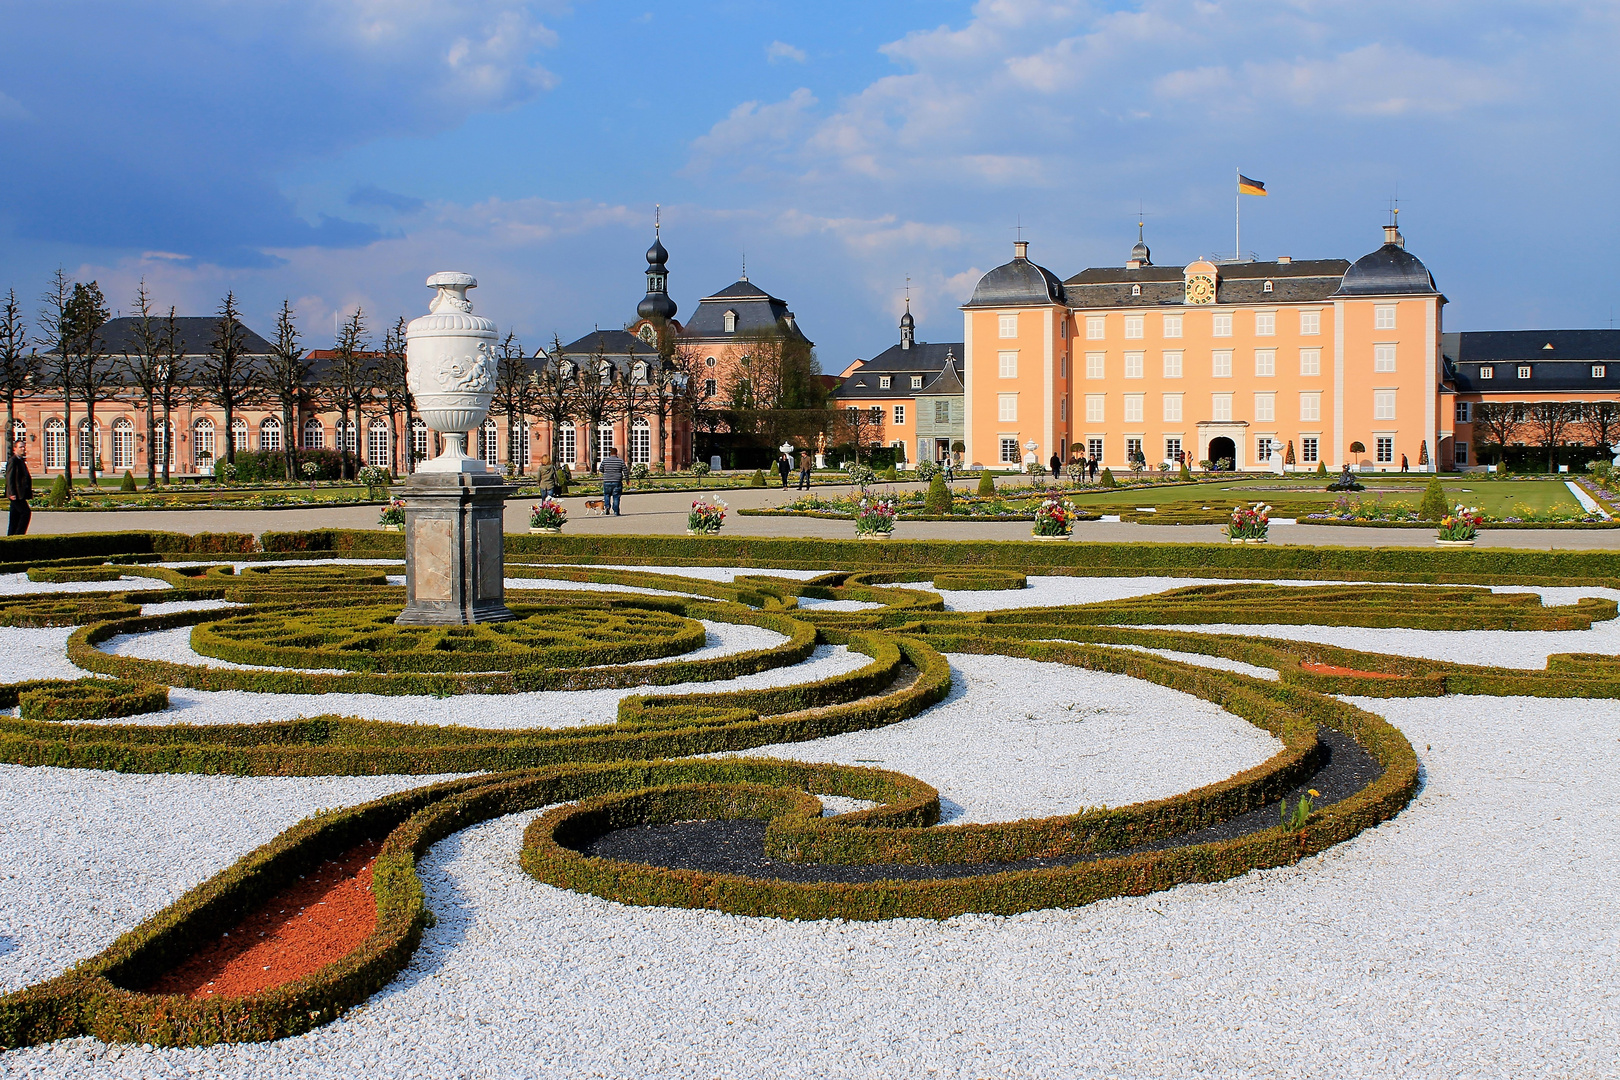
657 305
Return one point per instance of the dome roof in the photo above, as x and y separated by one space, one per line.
906 321
1391 270
656 306
656 255
1017 282
1141 254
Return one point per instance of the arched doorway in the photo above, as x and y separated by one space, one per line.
1223 449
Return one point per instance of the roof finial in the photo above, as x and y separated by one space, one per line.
656 213
908 292
744 265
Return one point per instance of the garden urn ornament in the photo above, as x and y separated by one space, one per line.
450 369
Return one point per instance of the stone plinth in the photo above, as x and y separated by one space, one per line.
454 563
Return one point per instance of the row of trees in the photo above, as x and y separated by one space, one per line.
1549 425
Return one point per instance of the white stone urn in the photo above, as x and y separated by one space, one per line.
450 369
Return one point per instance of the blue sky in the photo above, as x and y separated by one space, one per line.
336 152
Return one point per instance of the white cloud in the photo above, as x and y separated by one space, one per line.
778 51
12 109
754 129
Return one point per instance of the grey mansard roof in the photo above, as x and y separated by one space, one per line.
930 360
196 334
1017 283
1300 281
1566 367
757 310
1389 271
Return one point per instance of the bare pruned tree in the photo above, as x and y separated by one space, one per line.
92 369
1500 419
1600 424
19 362
388 372
1551 420
287 375
595 397
862 427
172 388
554 395
140 365
55 326
229 376
514 396
346 384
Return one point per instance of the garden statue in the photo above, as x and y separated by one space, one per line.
1276 459
454 560
1615 450
1345 482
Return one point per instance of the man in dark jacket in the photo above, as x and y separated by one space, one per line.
804 470
613 473
19 489
1056 465
548 478
784 465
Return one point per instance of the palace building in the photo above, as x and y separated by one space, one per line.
1330 361
917 387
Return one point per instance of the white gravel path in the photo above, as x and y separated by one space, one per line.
1072 738
725 574
1474 936
36 653
1219 663
19 585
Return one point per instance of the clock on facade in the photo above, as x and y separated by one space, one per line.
1200 289
648 334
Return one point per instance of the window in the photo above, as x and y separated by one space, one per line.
489 443
1223 326
1486 371
1063 365
1223 365
604 439
239 434
710 388
730 320
348 436
89 444
1133 408
1262 447
1063 407
1009 452
1172 326
1133 326
1267 287
1265 408
916 382
1310 361
1464 412
19 433
1094 408
1007 326
1384 446
1597 371
1172 450
567 443
123 444
1133 365
640 441
1063 329
1384 317
379 443
1265 322
519 454
942 412
1172 365
1136 290
885 381
1008 364
1220 408
710 362
1384 358
1524 371
1133 449
1094 448
1310 322
899 414
1310 407
165 444
1172 407
270 433
1307 449
314 435
1383 404
1459 453
1094 327
1265 363
55 444
419 439
1007 406
202 445
1094 365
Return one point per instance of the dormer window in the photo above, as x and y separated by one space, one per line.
1266 287
916 382
1597 371
1487 372
1524 371
1136 290
730 318
884 382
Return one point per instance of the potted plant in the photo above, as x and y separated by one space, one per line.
1460 527
1249 524
874 519
1054 520
547 516
392 518
705 517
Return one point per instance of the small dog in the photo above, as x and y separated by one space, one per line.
595 506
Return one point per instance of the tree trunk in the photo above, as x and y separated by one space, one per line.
168 438
151 441
68 432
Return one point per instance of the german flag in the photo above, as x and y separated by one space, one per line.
1250 187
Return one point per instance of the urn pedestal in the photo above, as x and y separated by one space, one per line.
455 568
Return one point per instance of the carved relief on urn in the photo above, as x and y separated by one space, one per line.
450 369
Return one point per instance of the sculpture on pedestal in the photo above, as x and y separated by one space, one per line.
454 561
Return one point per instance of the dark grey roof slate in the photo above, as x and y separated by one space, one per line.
757 310
1565 368
948 383
612 342
1018 282
1389 271
922 356
1473 345
1236 283
196 333
927 359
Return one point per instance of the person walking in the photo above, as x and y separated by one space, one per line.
19 489
1057 466
805 462
613 470
1094 470
548 478
1403 463
784 465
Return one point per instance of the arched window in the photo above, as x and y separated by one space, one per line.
518 439
123 444
379 443
489 443
89 445
202 445
567 444
730 318
347 439
419 439
604 441
19 433
55 444
270 433
239 434
163 452
314 435
640 441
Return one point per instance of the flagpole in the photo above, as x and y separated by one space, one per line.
1237 217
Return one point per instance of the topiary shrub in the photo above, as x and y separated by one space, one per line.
1186 473
987 483
1321 468
891 474
129 481
758 479
1434 505
939 497
1107 479
59 491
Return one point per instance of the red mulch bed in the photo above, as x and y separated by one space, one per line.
1331 669
314 921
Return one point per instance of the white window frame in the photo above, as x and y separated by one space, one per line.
1265 408
1134 327
1172 408
379 443
1221 324
1459 453
1096 328
729 319
1096 408
1310 363
899 414
1007 408
1310 449
1486 371
1383 404
1007 364
270 433
1524 371
1310 323
916 382
1009 451
1383 449
1598 371
1094 447
1007 325
313 437
1133 408
1134 363
123 443
1265 322
1173 360
1265 363
1220 408
1096 365
1310 407
885 382
1172 447
1172 326
1384 359
1383 316
1221 364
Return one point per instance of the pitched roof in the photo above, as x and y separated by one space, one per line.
756 310
1019 282
927 360
1474 345
612 342
1298 281
1565 368
196 334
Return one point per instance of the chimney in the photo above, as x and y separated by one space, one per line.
1020 249
1285 259
1392 235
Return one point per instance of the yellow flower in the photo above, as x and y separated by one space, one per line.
1315 794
